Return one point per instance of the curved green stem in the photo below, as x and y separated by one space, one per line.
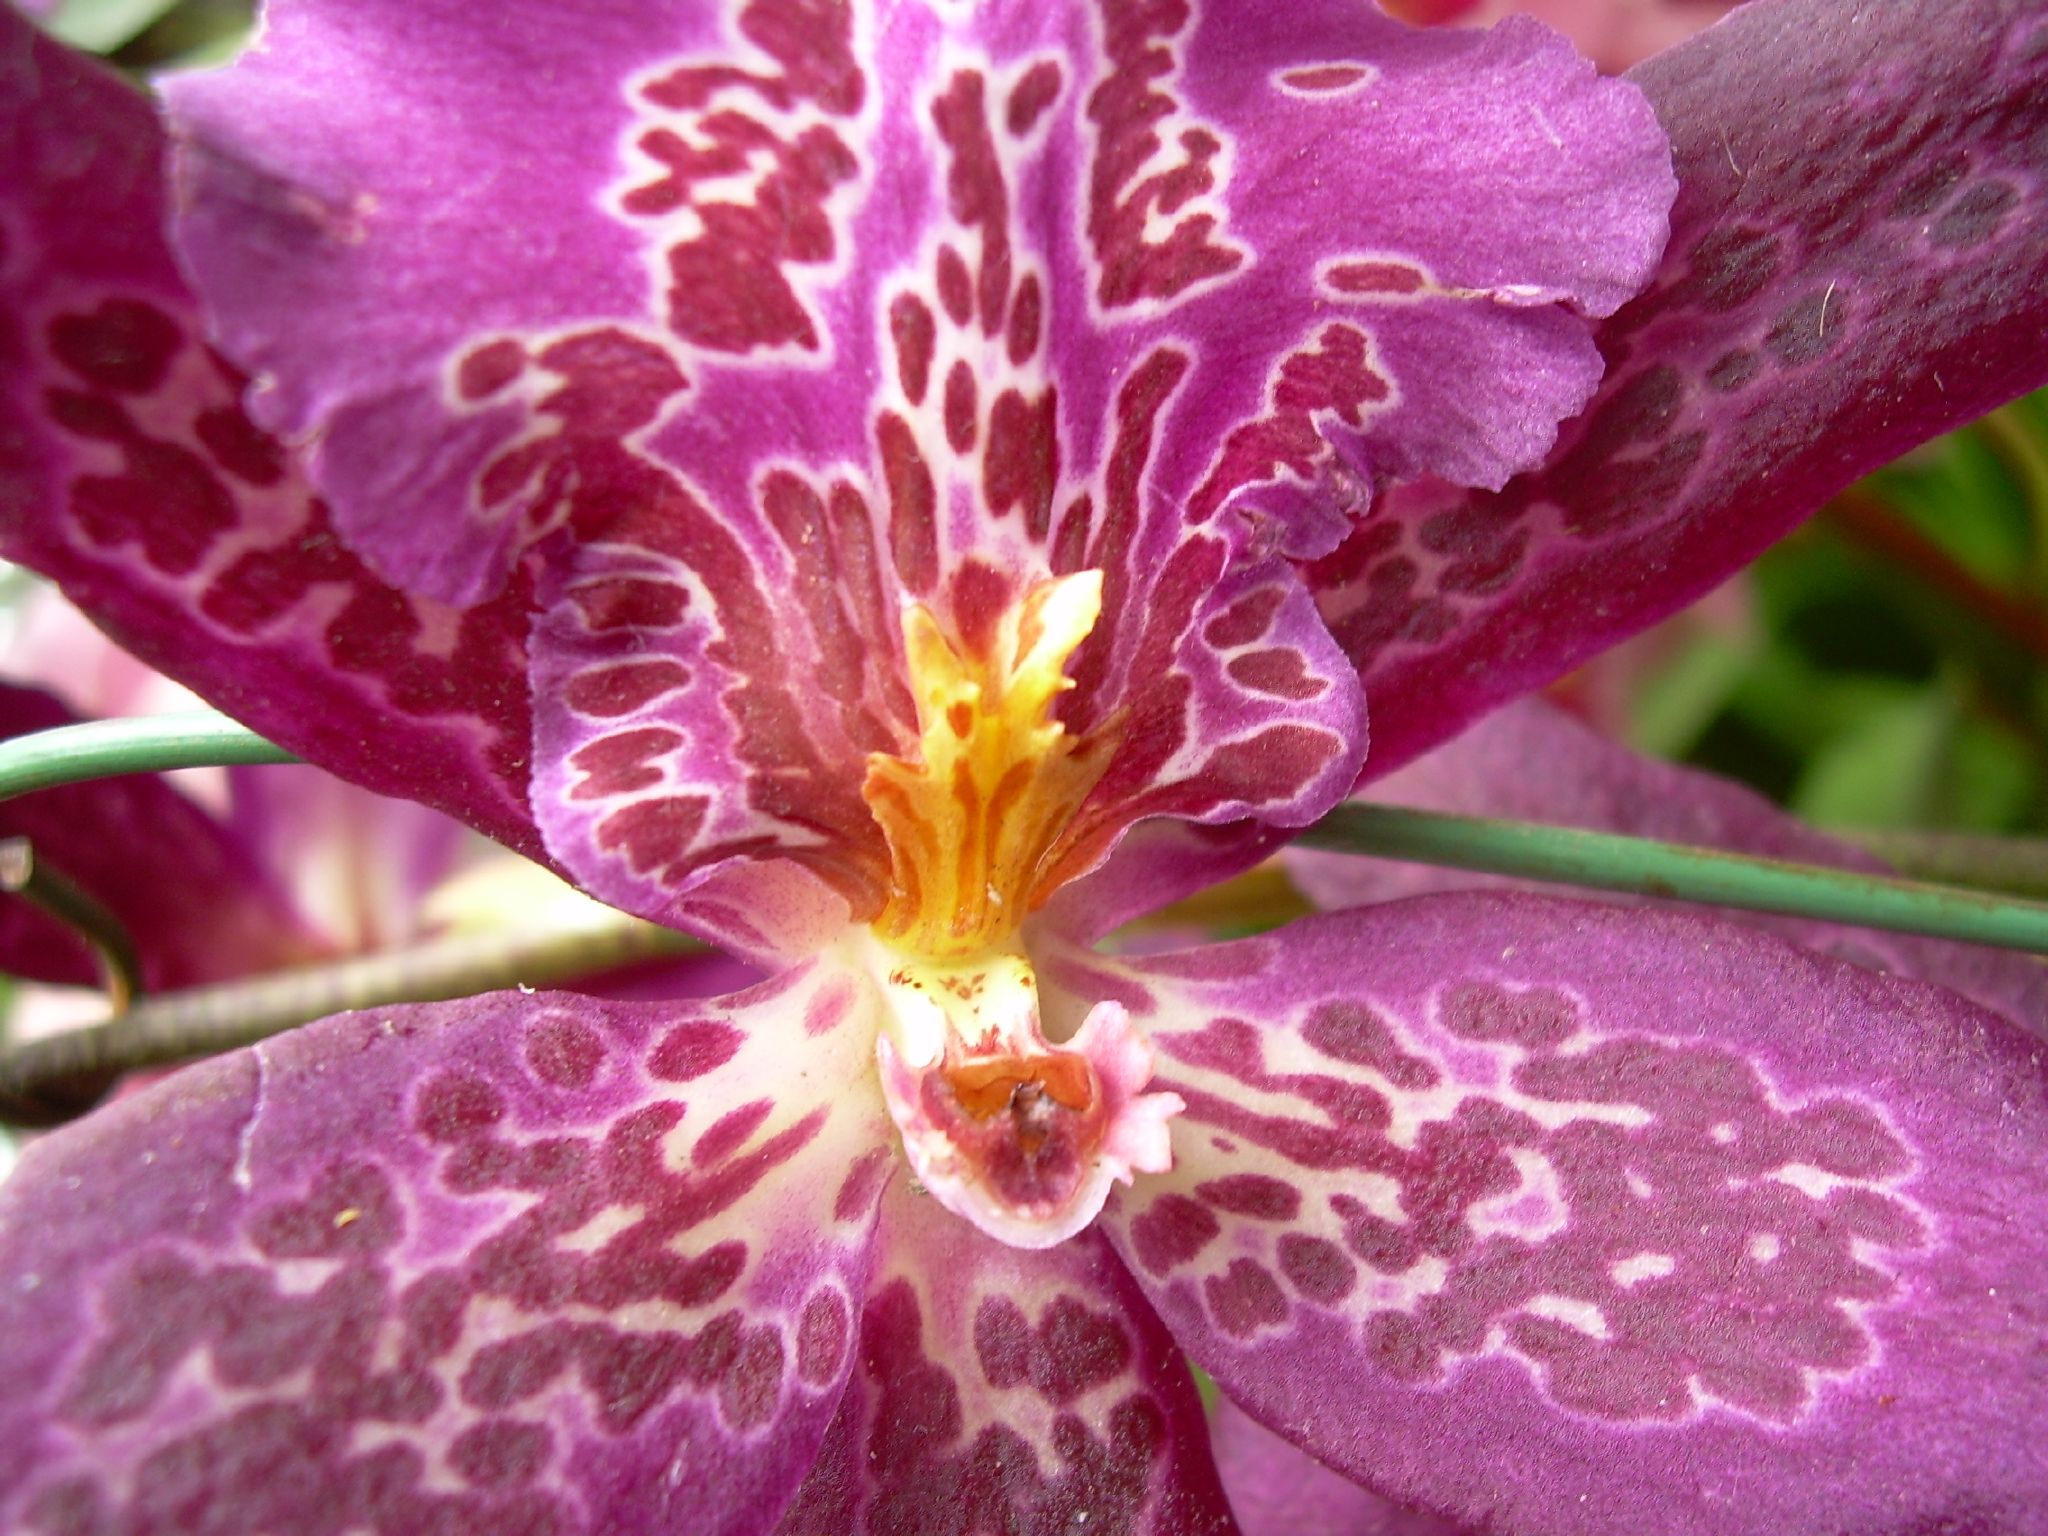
101 749
1677 872
50 1080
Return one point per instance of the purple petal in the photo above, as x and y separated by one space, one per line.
186 889
1409 228
1004 1390
515 1263
1276 1490
129 474
1542 1216
1533 762
1855 266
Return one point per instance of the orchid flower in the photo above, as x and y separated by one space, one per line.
898 490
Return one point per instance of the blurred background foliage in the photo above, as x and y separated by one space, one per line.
1883 672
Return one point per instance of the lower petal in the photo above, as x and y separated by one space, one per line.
1007 1390
1542 1215
518 1264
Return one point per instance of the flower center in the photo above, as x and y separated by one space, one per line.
1019 1135
971 825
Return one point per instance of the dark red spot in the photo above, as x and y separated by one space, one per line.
501 1451
349 1210
913 504
1244 620
564 1051
1257 1195
454 1107
1077 1350
911 328
960 407
623 687
1381 277
123 345
751 1387
691 1049
1352 1032
730 1132
656 836
1171 1231
1282 674
1316 1268
863 1184
237 446
1002 1342
1021 465
821 1338
1031 96
622 762
1536 1018
624 602
488 369
1244 1299
1318 78
1027 319
956 285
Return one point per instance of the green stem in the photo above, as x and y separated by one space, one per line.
2017 866
23 874
101 749
50 1080
1676 872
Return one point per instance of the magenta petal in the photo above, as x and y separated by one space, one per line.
1005 1390
1856 265
516 1263
188 891
1533 762
1276 1490
130 475
1409 228
1547 1216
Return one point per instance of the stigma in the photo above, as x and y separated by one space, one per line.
1021 1134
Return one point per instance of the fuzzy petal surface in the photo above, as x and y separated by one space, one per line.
1857 264
1277 1490
1003 1390
1543 1216
521 1263
130 475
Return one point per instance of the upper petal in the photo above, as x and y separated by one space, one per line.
130 475
1855 265
525 1263
1548 1216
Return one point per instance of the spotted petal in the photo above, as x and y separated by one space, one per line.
186 889
1855 265
1544 1216
1000 1390
865 235
1532 762
130 475
518 1263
